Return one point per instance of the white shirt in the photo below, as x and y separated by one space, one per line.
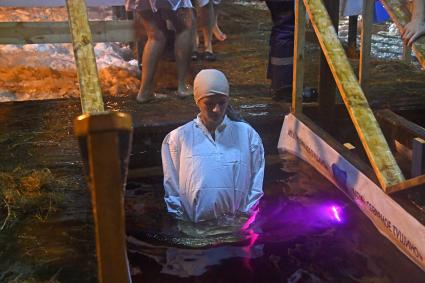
206 178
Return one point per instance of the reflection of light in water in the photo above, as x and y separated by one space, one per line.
252 236
335 211
250 219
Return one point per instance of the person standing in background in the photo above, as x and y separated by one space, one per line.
281 54
155 15
208 15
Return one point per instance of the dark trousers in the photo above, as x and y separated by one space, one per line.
281 54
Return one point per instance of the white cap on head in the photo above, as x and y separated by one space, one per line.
210 82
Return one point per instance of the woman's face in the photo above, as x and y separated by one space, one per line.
213 108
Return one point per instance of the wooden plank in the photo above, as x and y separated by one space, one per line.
146 172
59 32
327 87
366 41
377 150
397 128
352 37
299 41
57 3
407 53
348 154
414 182
349 146
418 157
400 15
90 92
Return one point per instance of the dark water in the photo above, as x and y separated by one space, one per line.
306 230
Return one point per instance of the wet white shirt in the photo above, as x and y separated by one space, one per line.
206 178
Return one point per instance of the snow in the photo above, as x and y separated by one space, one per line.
46 71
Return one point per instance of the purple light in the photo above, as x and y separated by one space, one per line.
336 213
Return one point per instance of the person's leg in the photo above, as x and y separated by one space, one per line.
280 64
155 29
183 21
207 19
218 34
195 54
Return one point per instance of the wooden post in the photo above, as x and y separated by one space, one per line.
352 37
398 128
418 157
370 134
299 41
407 53
105 142
366 41
91 94
327 87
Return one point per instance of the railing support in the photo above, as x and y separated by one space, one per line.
327 87
299 41
366 42
105 142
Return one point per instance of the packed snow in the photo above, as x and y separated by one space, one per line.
45 71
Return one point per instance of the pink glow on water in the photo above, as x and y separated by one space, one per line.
252 236
250 220
335 211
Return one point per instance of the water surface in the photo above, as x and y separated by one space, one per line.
305 230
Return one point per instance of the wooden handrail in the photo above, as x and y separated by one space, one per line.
90 92
374 143
59 32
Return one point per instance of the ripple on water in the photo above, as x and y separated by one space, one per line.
304 227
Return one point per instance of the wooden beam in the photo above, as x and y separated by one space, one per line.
414 182
90 92
105 141
377 150
327 87
299 41
352 37
400 15
59 32
146 172
366 42
345 152
398 128
407 53
418 157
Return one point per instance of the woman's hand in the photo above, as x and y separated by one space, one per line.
412 31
